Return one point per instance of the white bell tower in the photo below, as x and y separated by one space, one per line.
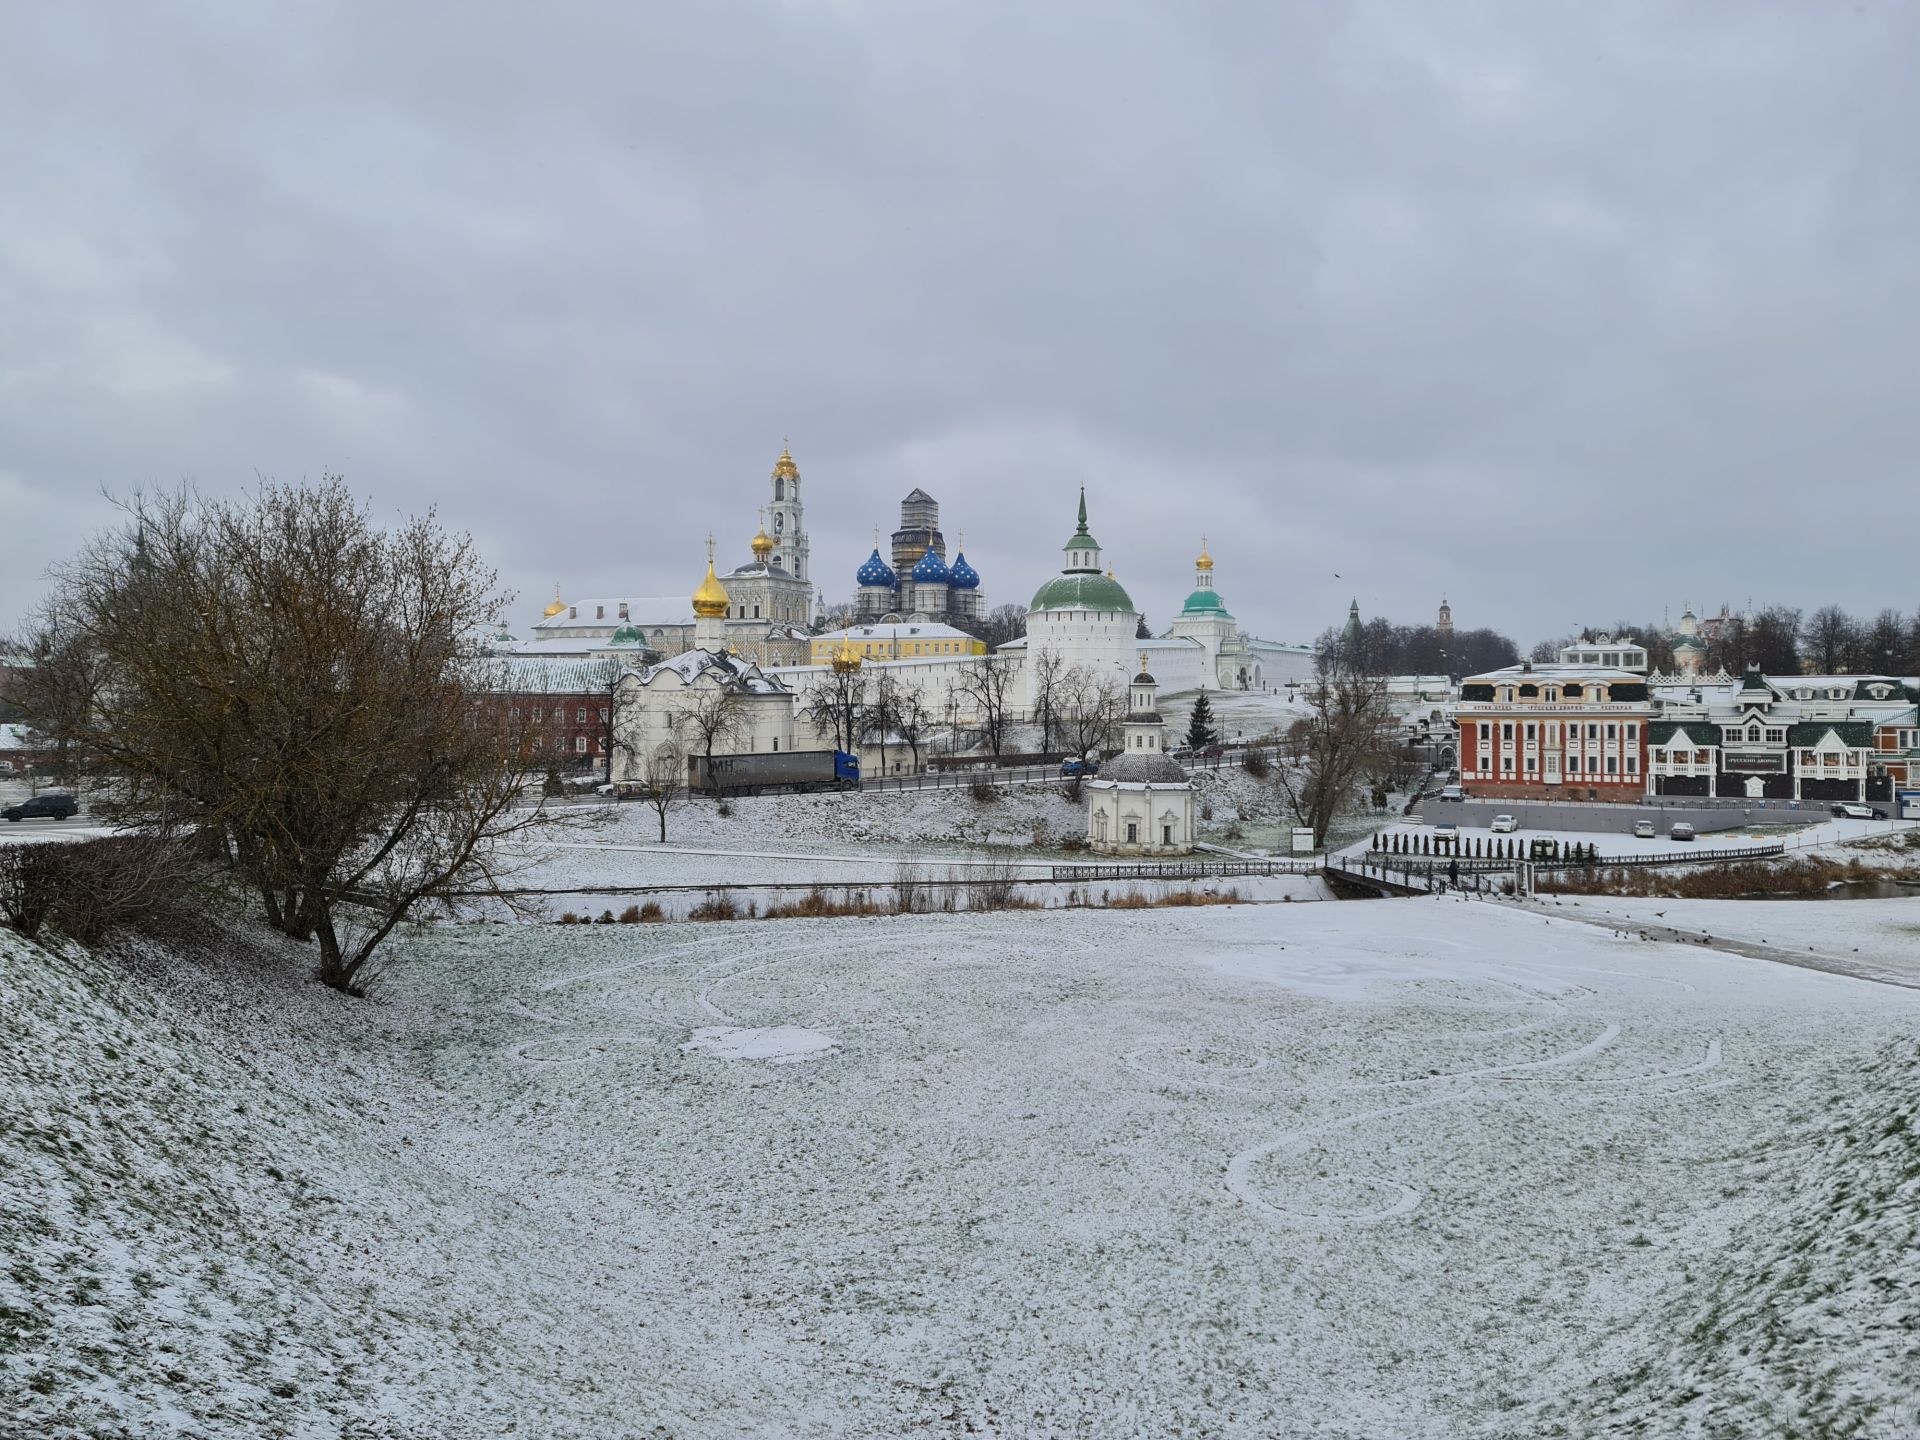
789 518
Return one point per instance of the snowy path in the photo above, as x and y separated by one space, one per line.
1875 940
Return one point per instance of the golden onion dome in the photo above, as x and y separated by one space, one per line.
845 657
1205 562
557 606
784 468
762 545
710 599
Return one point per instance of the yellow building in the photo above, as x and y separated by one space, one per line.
904 641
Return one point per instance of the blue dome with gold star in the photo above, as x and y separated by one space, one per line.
875 572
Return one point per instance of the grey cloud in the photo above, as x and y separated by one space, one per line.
1565 311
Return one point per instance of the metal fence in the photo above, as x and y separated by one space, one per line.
1184 870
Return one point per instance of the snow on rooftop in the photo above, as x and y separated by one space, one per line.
643 610
691 664
902 630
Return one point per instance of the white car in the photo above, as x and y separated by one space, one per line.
1504 825
1643 830
1857 812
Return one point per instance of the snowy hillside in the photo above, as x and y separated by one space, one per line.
1812 1327
1392 1171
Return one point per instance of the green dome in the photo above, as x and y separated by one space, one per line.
629 635
1082 591
1205 602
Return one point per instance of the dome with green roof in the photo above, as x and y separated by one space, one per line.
629 635
1205 602
1082 591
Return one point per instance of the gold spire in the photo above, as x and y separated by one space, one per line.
762 542
784 468
845 657
1205 562
710 599
558 604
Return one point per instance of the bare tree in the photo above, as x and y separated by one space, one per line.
1346 736
666 776
912 720
836 706
877 722
712 717
1830 637
1047 689
1094 703
278 670
985 684
1001 624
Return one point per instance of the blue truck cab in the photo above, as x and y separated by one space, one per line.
846 767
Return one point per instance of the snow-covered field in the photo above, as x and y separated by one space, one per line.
1398 1169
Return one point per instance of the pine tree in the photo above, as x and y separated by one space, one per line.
1200 731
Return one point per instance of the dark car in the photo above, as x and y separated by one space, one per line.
43 807
1210 752
1072 768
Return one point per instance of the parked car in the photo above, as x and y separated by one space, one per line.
1859 812
1079 766
1643 830
1445 832
1504 825
1211 752
1452 792
1681 830
43 807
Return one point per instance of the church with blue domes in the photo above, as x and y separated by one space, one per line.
919 583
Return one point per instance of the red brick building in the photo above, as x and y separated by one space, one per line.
1554 732
562 708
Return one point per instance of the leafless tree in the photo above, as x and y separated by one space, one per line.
1093 704
282 672
711 717
986 684
1047 692
1346 736
666 777
837 706
62 682
1000 624
912 720
884 711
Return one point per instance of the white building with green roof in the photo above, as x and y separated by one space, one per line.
1235 660
1086 618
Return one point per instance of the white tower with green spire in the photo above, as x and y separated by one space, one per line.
1205 618
1083 615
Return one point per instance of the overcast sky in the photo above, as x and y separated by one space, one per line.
1570 311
